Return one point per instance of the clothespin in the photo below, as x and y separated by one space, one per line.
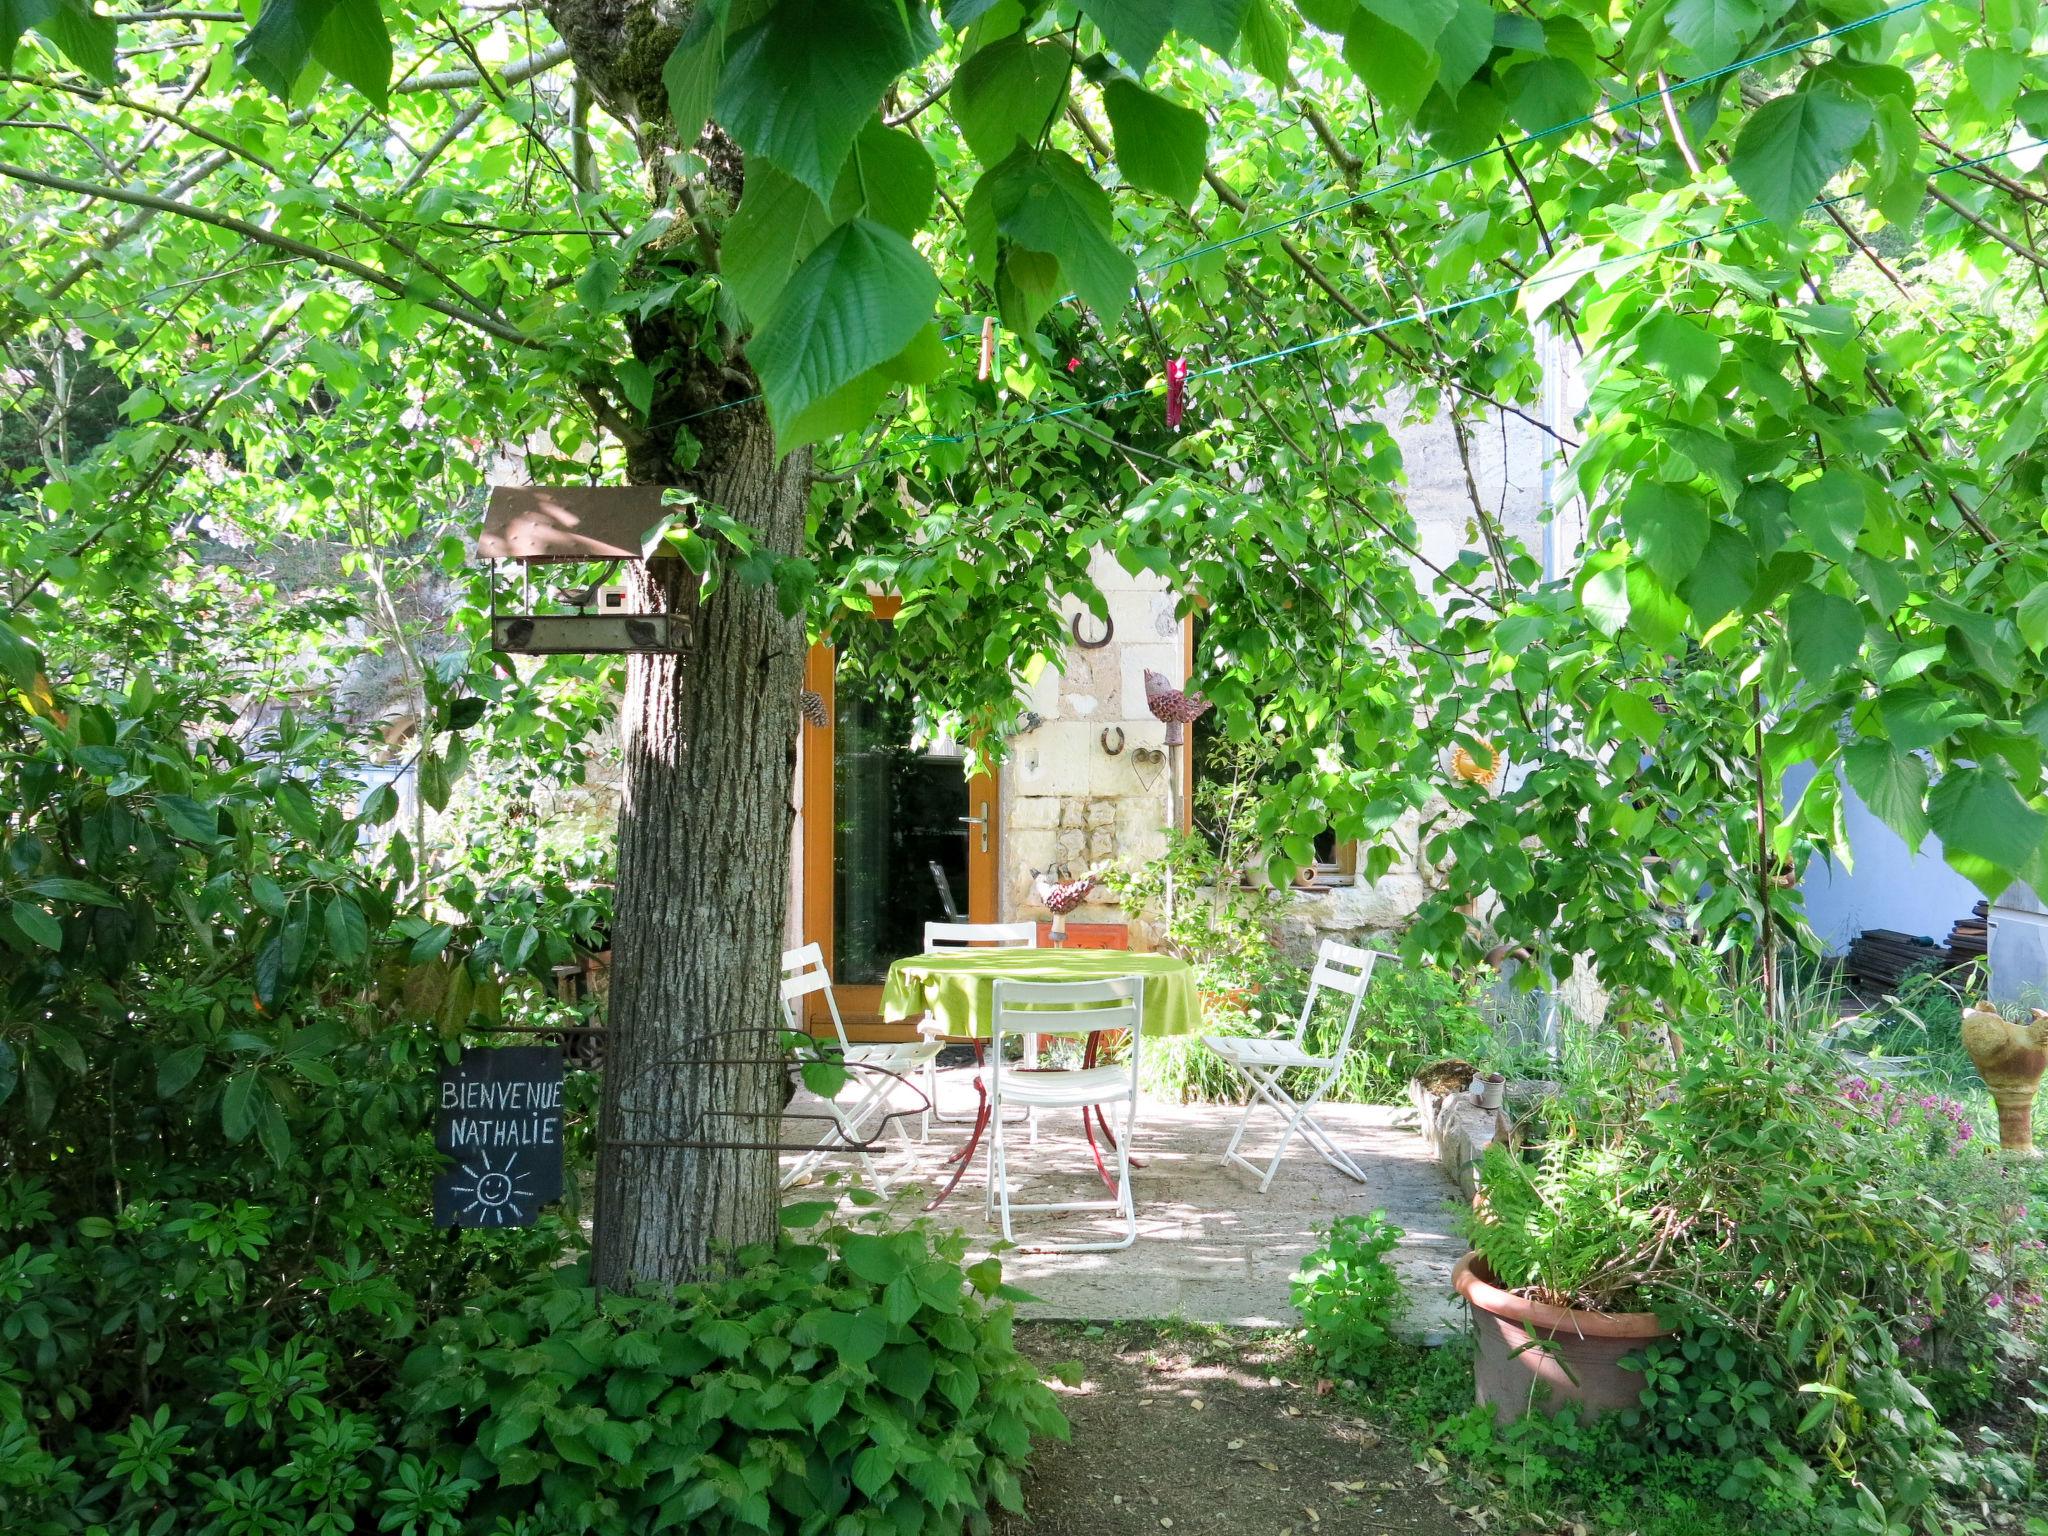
988 346
1176 391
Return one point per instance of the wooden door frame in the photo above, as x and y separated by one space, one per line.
860 1006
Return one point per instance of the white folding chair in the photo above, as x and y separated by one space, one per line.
1263 1064
950 938
803 973
1087 1009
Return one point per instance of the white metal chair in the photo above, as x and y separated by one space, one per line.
1087 1009
803 973
951 938
1263 1064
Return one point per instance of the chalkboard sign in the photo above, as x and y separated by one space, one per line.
500 1126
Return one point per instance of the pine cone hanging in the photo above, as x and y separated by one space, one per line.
1169 704
811 705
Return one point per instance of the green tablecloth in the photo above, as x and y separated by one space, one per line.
958 989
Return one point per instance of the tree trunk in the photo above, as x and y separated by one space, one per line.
710 744
703 888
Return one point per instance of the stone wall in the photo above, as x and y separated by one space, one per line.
1087 786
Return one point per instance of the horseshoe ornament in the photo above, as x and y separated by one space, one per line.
1108 633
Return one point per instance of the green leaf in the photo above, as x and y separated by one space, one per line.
80 33
1422 20
238 1105
175 1072
1215 24
1396 68
188 819
1684 353
354 45
1893 784
1134 29
1715 30
348 931
889 178
379 805
1160 145
10 1071
275 51
691 74
1465 44
272 1132
1265 40
799 83
1044 203
857 301
1791 147
1829 511
63 888
1723 579
1826 633
1007 94
2032 617
1544 93
37 924
877 1260
805 1213
1668 527
856 1337
1980 817
433 779
20 662
778 223
1603 591
1637 715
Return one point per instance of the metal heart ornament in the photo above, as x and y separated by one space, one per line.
1175 708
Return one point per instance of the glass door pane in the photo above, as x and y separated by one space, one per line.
900 834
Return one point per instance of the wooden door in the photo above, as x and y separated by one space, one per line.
895 834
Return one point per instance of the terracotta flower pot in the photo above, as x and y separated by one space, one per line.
1533 1355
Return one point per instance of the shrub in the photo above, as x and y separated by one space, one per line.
1348 1295
1840 1274
853 1382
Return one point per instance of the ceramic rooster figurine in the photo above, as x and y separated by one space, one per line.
2010 1058
1060 897
1169 704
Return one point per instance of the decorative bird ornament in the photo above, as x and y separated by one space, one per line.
1060 897
1176 708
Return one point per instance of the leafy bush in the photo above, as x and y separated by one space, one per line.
217 1062
1841 1275
1577 1225
853 1382
216 1068
1348 1295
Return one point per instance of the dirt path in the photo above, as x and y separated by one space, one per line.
1192 1433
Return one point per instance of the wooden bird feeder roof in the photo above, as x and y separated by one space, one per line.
539 523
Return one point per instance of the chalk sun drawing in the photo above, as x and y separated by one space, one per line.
493 1195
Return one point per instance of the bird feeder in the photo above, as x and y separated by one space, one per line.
539 525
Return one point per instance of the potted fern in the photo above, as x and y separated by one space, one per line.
1567 1248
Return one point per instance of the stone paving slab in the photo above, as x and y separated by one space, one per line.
1211 1248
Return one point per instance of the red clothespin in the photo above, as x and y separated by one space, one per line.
988 346
1073 365
1176 391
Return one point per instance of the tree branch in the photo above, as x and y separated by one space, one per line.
257 233
512 74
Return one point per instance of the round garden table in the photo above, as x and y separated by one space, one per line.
957 991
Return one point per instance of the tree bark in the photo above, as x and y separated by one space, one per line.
692 1051
703 886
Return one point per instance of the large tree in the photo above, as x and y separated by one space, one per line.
351 256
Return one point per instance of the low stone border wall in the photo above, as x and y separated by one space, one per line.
1458 1131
